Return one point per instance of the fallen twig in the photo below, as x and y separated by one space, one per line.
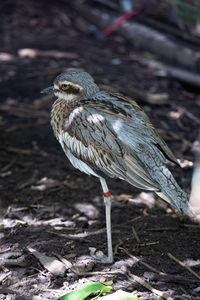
144 263
183 265
78 236
8 166
152 40
151 268
148 286
117 246
26 151
22 126
135 234
33 53
69 265
161 275
29 181
148 244
167 28
196 226
162 229
168 278
4 276
190 115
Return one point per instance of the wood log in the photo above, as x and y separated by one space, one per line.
146 38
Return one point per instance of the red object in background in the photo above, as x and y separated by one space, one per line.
119 21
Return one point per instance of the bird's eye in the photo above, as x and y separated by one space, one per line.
65 87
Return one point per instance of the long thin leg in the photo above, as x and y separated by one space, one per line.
106 194
107 201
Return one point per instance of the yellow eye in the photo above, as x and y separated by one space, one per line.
65 87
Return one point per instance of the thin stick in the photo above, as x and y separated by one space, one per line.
183 265
69 265
162 229
163 276
144 263
77 236
136 235
9 165
29 181
26 151
4 276
151 268
192 226
148 286
188 114
117 246
148 244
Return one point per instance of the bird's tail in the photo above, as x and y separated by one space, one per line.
171 191
186 208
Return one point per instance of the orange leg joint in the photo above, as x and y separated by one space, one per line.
107 194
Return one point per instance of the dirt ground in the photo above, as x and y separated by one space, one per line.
48 205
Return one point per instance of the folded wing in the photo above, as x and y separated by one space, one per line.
92 133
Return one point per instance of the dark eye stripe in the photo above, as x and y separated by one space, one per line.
72 90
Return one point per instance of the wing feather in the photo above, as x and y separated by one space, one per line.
90 137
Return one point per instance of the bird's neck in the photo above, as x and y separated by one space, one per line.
62 106
59 110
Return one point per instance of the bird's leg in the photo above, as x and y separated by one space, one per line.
106 194
107 202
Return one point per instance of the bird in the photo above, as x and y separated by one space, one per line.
108 135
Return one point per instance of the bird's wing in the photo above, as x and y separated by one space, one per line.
134 117
147 126
88 134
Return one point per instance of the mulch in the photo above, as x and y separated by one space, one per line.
48 205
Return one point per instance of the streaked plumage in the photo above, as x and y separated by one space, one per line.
109 135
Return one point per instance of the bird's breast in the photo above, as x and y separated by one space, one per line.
58 113
61 121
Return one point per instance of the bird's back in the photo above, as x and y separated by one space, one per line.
109 135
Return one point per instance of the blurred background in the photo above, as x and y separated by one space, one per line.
147 49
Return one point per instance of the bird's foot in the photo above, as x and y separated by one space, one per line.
103 260
100 257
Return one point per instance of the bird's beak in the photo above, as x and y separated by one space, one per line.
48 90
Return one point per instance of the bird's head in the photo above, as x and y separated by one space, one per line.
72 85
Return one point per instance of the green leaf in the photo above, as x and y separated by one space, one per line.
108 282
84 291
119 295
